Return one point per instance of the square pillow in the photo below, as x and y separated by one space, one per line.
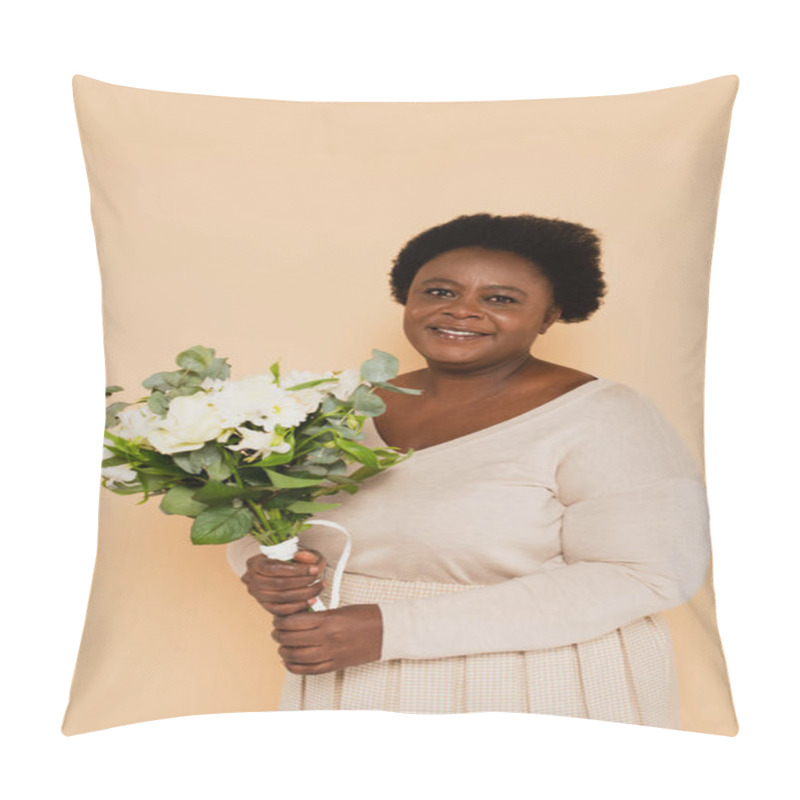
267 229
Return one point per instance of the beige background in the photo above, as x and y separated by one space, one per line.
266 229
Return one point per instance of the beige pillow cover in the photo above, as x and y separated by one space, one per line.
266 229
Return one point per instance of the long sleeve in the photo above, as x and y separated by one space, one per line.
634 538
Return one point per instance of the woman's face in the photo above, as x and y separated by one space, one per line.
499 295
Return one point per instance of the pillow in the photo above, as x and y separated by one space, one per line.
266 229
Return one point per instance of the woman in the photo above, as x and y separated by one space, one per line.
519 559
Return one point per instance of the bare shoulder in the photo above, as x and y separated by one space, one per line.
556 378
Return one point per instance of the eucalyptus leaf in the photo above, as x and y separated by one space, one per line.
208 458
322 455
381 367
158 403
329 404
112 390
222 525
392 388
185 391
111 413
365 402
218 369
162 381
186 463
180 500
195 359
154 483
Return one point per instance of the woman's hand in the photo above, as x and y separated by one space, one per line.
325 641
285 587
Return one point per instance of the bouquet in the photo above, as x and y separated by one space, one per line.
248 456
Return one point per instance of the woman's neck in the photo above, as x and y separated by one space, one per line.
449 384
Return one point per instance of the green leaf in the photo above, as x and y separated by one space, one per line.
214 493
112 390
275 369
359 452
111 413
162 381
392 388
152 483
323 455
304 507
309 384
180 500
274 460
195 359
158 403
208 458
365 402
186 463
185 391
329 404
222 525
381 367
218 369
281 481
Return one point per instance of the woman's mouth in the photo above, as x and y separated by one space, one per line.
456 334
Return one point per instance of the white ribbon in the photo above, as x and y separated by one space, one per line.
285 551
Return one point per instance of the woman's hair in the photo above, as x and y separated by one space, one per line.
568 254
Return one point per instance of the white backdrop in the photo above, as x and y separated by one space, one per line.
373 51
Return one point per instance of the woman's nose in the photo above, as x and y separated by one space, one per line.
464 307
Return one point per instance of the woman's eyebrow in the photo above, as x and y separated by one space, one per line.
489 286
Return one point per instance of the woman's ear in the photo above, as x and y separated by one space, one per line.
552 315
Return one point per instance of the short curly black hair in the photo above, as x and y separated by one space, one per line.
567 253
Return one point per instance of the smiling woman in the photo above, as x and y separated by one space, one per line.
520 559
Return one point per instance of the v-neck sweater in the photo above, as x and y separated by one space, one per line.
564 523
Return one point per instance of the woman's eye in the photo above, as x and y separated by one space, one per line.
503 298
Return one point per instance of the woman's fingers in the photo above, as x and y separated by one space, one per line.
266 594
285 587
279 584
285 609
274 568
302 655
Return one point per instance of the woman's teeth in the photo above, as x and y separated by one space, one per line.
447 333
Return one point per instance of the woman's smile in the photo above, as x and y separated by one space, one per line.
472 295
454 334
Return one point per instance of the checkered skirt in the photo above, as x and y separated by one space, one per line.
627 675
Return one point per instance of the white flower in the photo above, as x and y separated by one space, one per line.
212 384
247 400
289 411
258 441
192 420
349 380
262 443
118 475
136 422
311 397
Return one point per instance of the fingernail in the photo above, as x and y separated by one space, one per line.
312 600
313 570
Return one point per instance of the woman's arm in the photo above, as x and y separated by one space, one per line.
634 541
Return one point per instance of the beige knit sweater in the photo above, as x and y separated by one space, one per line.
571 520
